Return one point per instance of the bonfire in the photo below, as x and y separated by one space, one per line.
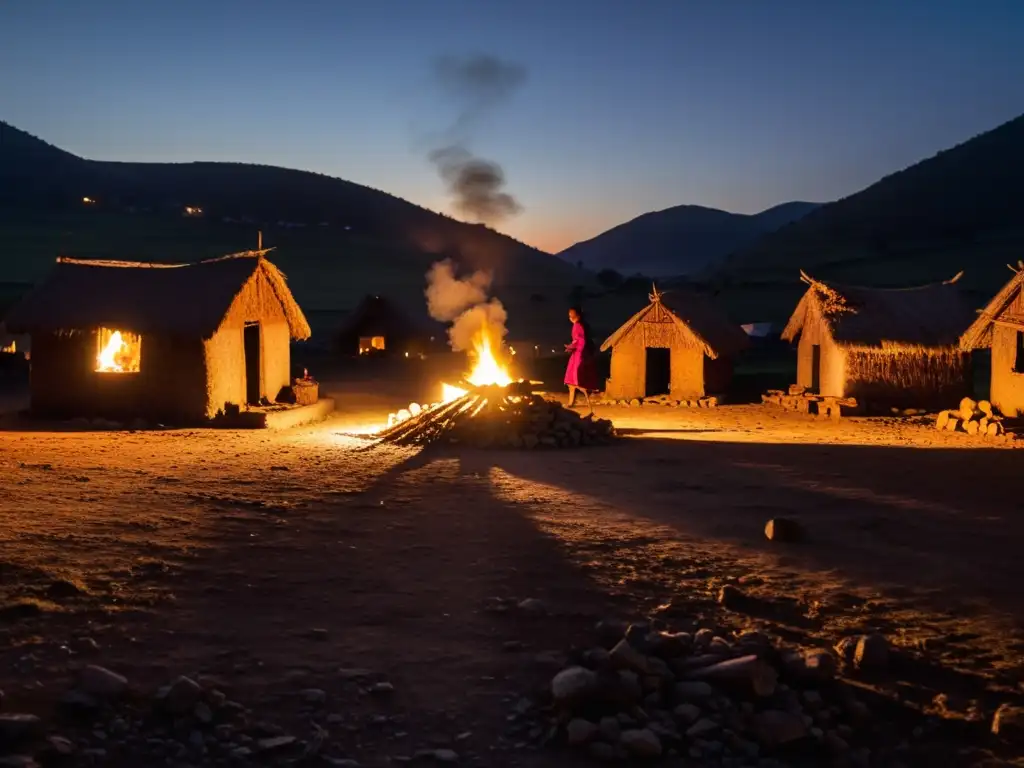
491 409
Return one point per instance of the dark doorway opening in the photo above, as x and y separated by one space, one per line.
659 372
251 340
816 368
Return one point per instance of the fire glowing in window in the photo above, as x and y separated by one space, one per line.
369 344
118 351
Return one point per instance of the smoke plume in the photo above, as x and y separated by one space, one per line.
464 304
476 85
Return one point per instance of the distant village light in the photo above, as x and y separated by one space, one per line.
193 210
88 201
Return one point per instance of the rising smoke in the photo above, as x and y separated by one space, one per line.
465 305
477 85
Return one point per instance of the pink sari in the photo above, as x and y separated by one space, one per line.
581 370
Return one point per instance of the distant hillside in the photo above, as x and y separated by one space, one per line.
37 176
961 209
680 240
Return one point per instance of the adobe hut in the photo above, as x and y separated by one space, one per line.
1000 327
685 350
169 342
886 347
378 326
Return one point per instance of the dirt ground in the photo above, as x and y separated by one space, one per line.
279 562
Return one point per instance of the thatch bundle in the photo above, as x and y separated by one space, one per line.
498 417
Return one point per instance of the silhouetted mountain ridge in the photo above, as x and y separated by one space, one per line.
37 175
679 240
961 201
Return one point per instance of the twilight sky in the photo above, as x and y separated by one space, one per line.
628 105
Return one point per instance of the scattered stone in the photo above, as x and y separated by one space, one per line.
624 655
687 713
446 756
784 530
610 729
775 728
181 696
732 598
641 742
703 638
382 689
872 653
1008 723
78 702
102 683
580 731
15 728
354 673
534 606
572 685
313 696
696 690
59 746
601 752
18 761
814 666
203 713
746 671
703 728
275 743
63 588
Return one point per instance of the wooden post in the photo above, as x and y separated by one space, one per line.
259 240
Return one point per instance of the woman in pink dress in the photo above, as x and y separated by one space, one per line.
581 372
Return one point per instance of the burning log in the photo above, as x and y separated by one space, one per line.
498 416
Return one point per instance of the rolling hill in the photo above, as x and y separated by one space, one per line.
960 209
336 240
680 240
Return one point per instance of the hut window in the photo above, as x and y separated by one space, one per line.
368 344
1018 360
117 351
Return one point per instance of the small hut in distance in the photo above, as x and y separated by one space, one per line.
1000 327
886 347
685 349
378 326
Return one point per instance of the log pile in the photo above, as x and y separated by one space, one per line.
498 417
973 417
667 400
800 400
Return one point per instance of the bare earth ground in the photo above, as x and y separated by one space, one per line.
218 553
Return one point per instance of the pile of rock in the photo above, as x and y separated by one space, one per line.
644 694
665 400
102 721
798 399
974 418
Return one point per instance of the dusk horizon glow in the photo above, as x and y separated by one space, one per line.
624 109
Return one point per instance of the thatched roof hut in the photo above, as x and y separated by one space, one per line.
683 348
1000 327
181 341
888 346
379 325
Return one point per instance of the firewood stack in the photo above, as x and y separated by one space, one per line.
800 400
974 418
500 417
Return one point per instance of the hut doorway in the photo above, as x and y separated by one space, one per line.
659 371
251 343
816 368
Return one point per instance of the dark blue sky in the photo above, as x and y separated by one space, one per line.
629 105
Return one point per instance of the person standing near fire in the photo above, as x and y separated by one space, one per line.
581 371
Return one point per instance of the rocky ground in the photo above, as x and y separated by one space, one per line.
225 598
